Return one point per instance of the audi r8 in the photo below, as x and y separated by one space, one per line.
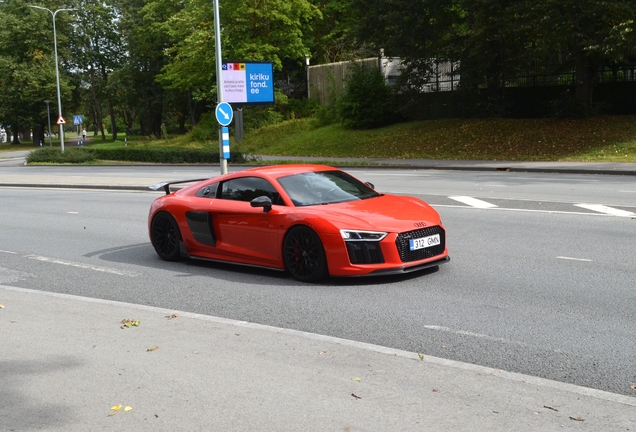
313 221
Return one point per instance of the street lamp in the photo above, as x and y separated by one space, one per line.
57 72
48 116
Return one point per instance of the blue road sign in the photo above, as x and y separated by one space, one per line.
78 120
224 113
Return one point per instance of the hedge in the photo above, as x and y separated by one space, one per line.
169 155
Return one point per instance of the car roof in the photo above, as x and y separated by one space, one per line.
285 170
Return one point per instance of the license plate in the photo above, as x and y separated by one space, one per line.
424 242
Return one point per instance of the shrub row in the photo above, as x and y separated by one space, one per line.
171 155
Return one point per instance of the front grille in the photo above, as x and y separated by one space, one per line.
402 244
364 252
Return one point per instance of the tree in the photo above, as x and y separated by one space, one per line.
588 33
366 101
494 39
97 52
27 66
332 36
268 30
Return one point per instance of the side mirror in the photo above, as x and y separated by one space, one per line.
262 201
371 185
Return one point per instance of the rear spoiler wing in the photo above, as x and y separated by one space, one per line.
166 185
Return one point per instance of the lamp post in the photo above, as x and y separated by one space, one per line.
57 72
48 116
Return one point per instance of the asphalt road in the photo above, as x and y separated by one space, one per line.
536 285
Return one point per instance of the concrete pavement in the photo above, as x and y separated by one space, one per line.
65 362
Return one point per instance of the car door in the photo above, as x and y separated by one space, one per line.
248 234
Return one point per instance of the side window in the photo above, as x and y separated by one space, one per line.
208 191
248 188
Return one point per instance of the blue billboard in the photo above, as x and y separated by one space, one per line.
247 83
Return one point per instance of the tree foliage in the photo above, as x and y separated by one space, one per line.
494 39
146 64
366 100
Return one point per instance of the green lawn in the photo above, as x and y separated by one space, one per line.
596 139
603 138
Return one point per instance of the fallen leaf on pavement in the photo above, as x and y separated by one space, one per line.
576 418
356 396
435 390
322 352
127 323
550 408
356 379
633 386
115 410
1 306
421 356
128 408
153 348
172 316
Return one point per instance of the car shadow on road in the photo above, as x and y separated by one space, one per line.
143 254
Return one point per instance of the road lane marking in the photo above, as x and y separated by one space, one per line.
72 212
473 202
574 259
525 210
607 210
81 265
9 252
466 333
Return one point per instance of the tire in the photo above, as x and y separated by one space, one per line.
304 255
166 237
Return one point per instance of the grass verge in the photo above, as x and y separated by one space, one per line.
595 139
603 138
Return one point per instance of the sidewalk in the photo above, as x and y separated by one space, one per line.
65 361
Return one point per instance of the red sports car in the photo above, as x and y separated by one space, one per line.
311 220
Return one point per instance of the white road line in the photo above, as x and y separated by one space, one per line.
473 202
574 259
465 333
9 252
72 212
607 210
81 265
525 210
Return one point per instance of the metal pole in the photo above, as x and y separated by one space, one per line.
57 71
48 116
219 93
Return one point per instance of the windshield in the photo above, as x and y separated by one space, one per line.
325 187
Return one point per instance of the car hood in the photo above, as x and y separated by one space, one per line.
386 213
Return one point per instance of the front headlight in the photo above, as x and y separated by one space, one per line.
355 235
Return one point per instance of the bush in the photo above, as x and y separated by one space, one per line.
207 129
257 117
366 101
55 155
569 106
168 155
173 155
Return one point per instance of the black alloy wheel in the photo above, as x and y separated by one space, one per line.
166 236
304 255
